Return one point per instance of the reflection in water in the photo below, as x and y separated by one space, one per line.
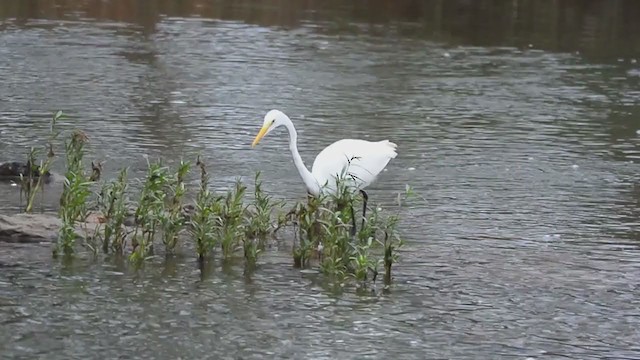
524 240
599 28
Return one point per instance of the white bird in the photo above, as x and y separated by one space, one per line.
359 162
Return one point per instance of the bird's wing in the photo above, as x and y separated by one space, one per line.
357 160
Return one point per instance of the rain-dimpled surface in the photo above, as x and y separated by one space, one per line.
523 242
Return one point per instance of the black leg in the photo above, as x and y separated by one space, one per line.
365 198
353 222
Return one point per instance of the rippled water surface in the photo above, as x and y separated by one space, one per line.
523 145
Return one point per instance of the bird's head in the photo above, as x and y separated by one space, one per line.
272 120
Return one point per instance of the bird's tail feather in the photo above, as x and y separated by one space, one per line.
392 146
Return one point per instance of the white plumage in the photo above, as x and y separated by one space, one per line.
360 160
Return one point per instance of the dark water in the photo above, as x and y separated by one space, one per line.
517 122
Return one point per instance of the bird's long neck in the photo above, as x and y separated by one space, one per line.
308 179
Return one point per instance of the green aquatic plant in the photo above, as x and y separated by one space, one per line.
149 210
392 241
75 193
362 261
231 219
260 214
306 230
203 222
112 204
259 222
30 184
251 249
326 226
171 219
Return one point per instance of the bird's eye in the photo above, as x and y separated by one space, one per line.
272 121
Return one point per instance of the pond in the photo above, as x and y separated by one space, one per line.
517 124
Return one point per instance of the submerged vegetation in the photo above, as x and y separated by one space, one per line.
111 217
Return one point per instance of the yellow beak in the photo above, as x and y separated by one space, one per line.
260 135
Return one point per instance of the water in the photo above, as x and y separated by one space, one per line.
517 124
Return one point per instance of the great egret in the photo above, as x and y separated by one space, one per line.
357 161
